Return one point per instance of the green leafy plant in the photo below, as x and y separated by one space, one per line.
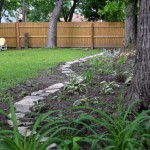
121 60
39 107
108 87
128 80
82 102
102 64
129 77
118 62
113 11
120 76
23 93
88 76
95 63
75 85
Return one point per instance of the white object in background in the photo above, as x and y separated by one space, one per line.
3 45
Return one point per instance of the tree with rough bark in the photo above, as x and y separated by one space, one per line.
52 31
122 10
67 11
130 24
140 87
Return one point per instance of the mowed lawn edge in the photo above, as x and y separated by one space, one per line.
17 66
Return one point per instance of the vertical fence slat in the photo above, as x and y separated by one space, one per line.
17 36
92 36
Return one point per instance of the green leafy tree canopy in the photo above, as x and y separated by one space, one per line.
113 11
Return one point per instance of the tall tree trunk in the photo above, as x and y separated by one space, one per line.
1 8
72 10
52 32
140 87
24 11
69 15
131 25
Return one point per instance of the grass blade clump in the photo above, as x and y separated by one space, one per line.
94 130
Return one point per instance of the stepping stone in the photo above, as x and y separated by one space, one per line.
66 72
70 63
37 93
24 130
52 91
66 69
44 94
19 115
65 66
11 123
52 147
26 103
55 86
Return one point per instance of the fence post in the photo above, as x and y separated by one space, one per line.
26 40
92 35
17 36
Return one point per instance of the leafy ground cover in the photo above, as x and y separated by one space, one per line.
20 65
87 113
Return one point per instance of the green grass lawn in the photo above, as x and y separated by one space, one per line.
20 65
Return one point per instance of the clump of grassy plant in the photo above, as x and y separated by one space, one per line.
88 77
119 74
101 65
94 130
53 130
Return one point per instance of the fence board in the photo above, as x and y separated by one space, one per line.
8 31
72 34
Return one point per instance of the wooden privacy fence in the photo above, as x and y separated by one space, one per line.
73 34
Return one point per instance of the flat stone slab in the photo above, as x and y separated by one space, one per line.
11 123
66 65
51 91
19 115
37 93
26 103
55 86
52 147
44 94
68 71
69 62
24 130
